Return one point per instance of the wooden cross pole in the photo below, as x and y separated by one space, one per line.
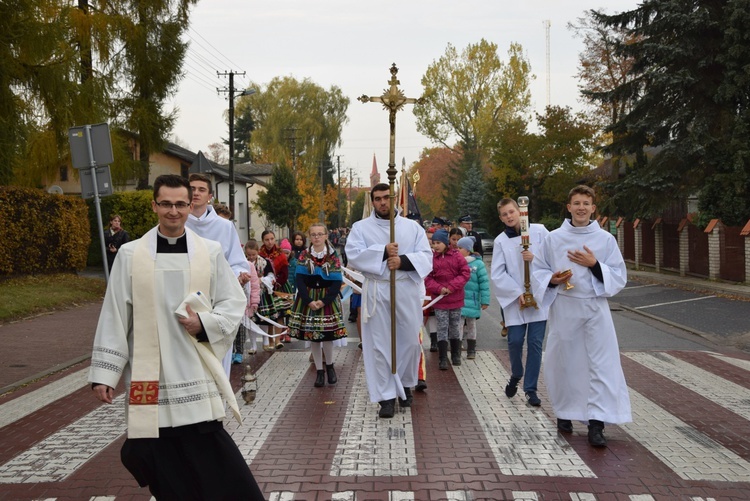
393 100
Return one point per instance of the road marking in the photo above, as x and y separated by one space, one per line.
20 407
259 418
689 453
524 442
737 362
370 446
672 302
731 396
639 287
66 450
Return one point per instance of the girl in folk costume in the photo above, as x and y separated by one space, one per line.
267 306
476 294
252 292
282 290
316 313
448 277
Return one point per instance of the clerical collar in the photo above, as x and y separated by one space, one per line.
171 245
574 226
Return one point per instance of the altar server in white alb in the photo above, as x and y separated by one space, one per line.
508 279
369 251
170 314
205 221
582 367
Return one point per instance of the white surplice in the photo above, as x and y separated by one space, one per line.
188 393
582 368
214 227
507 276
365 249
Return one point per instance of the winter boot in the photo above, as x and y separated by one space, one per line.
455 351
433 342
331 374
387 408
596 433
471 349
408 400
320 379
443 355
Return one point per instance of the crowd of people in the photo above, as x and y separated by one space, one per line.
183 297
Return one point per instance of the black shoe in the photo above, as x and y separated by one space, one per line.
443 349
455 351
387 408
512 387
331 374
320 379
471 349
596 433
565 425
532 399
433 342
421 385
409 398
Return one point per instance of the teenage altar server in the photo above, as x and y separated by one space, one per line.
582 367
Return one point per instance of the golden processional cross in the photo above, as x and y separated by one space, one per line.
393 100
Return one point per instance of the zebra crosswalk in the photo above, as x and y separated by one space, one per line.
462 440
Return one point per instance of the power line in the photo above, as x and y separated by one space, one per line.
226 59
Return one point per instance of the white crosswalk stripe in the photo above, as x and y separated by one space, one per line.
689 453
737 362
63 452
523 441
25 405
727 394
369 446
259 418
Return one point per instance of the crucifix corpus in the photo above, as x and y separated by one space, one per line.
393 100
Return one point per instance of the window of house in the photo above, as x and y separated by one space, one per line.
63 173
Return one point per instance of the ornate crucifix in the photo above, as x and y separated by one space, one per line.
393 100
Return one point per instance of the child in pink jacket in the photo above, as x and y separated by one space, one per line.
447 279
252 291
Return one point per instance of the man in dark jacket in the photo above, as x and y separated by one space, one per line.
466 224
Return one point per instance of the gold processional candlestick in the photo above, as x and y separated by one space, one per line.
528 297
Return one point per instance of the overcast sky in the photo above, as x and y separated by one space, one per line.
351 44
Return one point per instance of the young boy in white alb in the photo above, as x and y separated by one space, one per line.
582 367
507 278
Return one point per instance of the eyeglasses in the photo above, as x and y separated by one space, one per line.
317 235
176 205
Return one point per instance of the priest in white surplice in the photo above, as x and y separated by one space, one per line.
369 251
582 367
170 313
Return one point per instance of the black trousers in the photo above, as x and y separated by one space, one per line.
194 462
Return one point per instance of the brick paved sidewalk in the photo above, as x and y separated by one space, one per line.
34 347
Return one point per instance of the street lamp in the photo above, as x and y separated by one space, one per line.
246 92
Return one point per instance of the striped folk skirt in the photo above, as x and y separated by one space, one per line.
325 324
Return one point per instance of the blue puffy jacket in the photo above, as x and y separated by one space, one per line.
477 289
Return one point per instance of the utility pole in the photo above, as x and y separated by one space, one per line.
338 200
547 25
349 198
230 91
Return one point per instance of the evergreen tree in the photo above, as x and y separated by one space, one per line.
473 191
689 130
281 203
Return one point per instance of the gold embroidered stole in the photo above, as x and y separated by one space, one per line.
143 411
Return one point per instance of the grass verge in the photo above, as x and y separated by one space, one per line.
21 297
